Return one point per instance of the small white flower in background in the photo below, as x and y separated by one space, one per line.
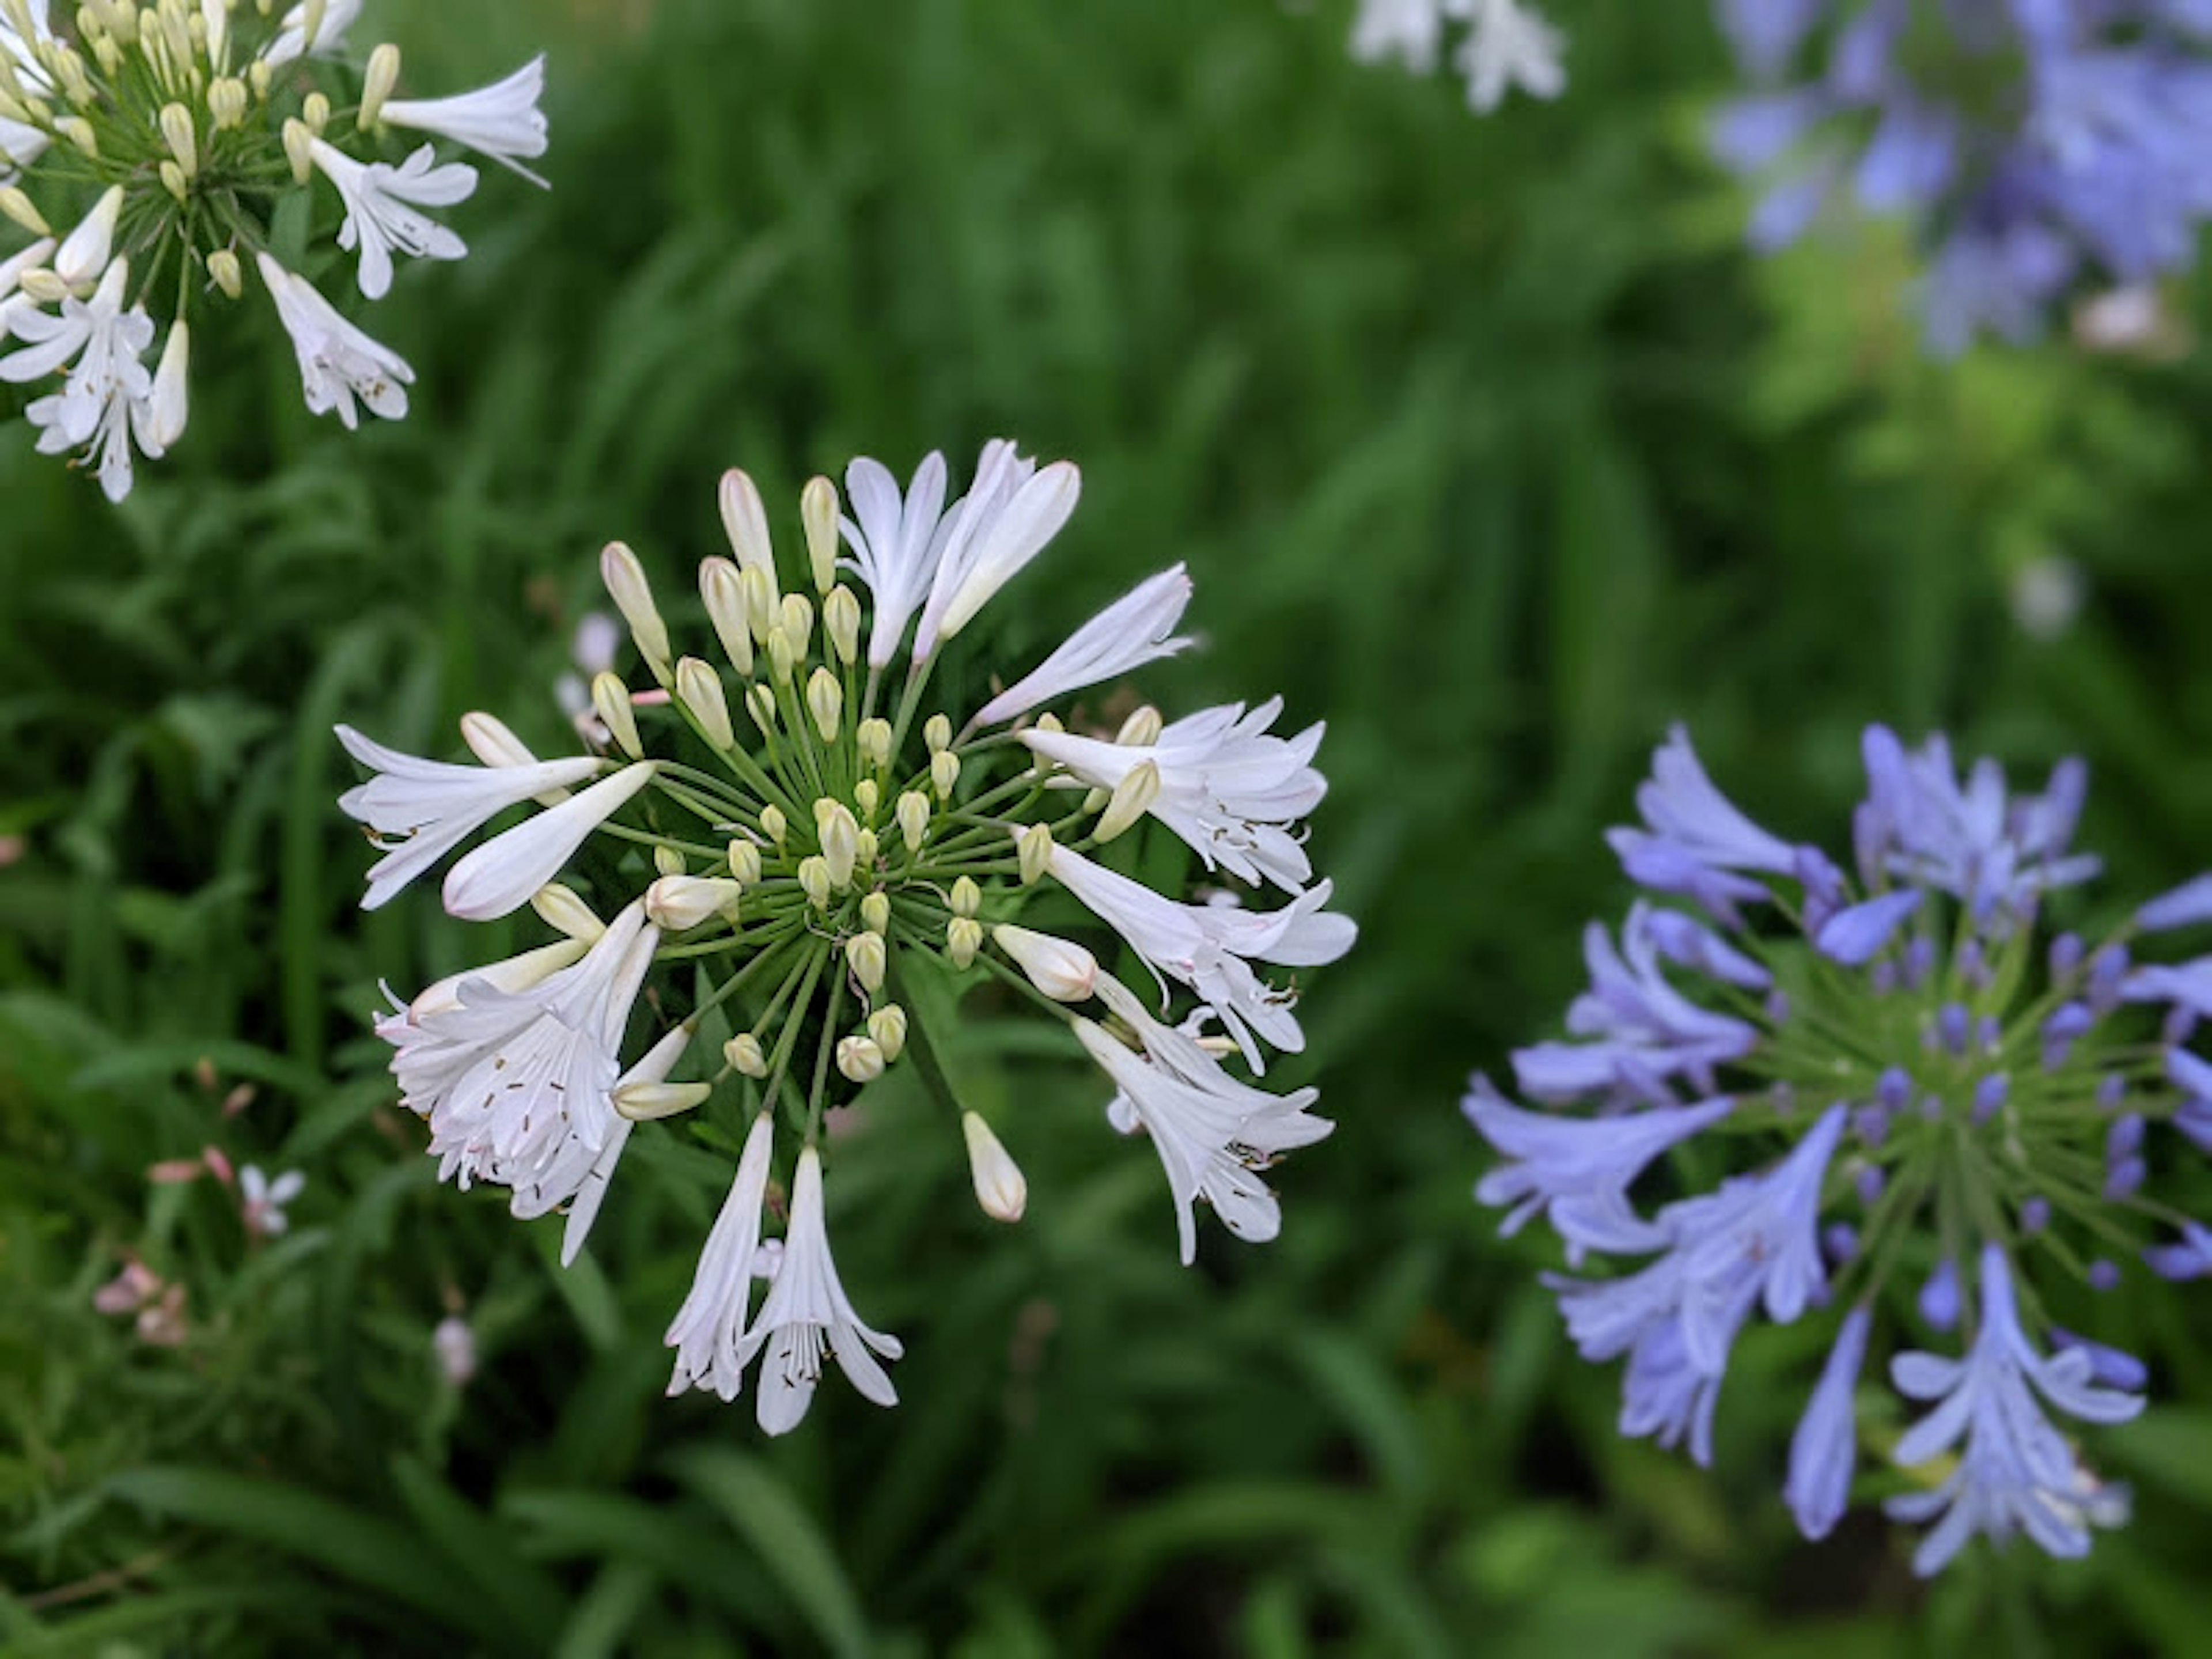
592 651
2046 594
186 132
804 836
453 1344
261 1201
1502 45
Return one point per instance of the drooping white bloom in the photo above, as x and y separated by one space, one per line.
1004 521
107 400
1136 628
1227 786
806 1311
338 362
2014 1472
1508 45
518 1085
292 43
1212 1133
499 877
502 120
261 1201
1410 31
380 203
420 809
1210 947
709 1327
894 542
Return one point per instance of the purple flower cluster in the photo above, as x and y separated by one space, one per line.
1936 1109
2032 142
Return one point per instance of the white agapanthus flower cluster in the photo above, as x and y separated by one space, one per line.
166 136
786 822
1500 45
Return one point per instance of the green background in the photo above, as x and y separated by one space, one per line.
1484 441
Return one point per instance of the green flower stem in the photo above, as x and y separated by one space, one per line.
806 978
822 1051
919 1048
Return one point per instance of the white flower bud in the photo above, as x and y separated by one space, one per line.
745 1055
178 134
225 271
492 741
745 862
20 208
676 904
867 797
764 610
874 735
826 700
967 896
745 521
817 511
82 257
1132 798
172 389
814 880
722 589
1048 721
937 732
944 773
668 861
641 1103
632 596
1062 970
226 102
859 1059
913 814
611 702
559 907
1033 845
773 824
866 955
701 689
173 180
315 111
259 76
79 132
1000 1187
876 913
760 703
783 656
841 841
1141 730
377 83
963 938
841 622
865 857
43 286
796 617
888 1026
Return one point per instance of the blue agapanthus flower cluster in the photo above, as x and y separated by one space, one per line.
1932 1110
2035 142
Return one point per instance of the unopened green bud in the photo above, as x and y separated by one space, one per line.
967 896
722 588
79 132
20 208
641 1103
1132 798
745 521
865 857
745 1055
178 134
826 700
876 913
377 83
814 880
773 823
173 180
839 834
796 617
745 862
913 814
937 732
1141 730
226 102
867 796
963 938
668 860
760 703
1033 845
315 111
560 909
874 735
841 622
225 271
944 773
701 689
866 955
817 511
783 655
859 1059
611 702
888 1026
763 609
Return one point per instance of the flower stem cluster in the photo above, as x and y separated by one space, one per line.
1934 1112
145 153
797 825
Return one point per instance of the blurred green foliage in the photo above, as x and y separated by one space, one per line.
1484 441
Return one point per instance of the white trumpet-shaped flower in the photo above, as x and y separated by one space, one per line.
518 1083
1008 515
1210 947
589 1190
292 43
806 1312
339 363
499 877
382 203
894 542
420 809
1214 1133
708 1329
1227 786
502 120
1136 628
106 403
